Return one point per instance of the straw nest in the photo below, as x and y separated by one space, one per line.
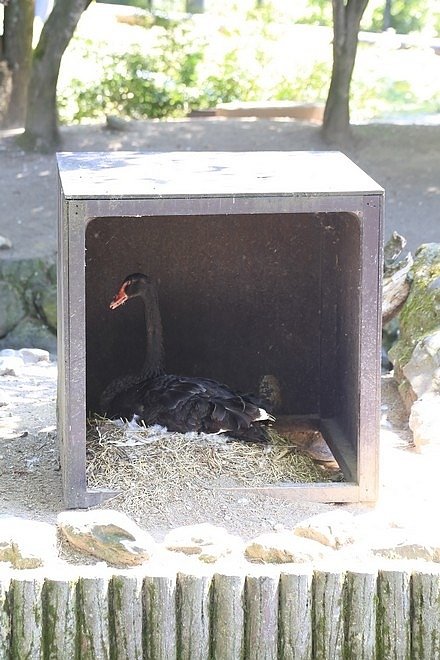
156 467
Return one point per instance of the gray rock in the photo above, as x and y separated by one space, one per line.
25 274
11 308
423 364
435 284
335 529
11 365
33 355
8 352
284 547
416 355
407 543
27 288
31 333
5 243
208 542
423 374
396 287
115 123
392 249
52 273
46 303
408 550
106 534
424 419
419 316
26 543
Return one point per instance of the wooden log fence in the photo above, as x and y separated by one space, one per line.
269 614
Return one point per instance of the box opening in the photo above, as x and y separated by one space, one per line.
241 297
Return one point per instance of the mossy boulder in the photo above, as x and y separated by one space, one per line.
420 315
52 273
12 309
25 274
46 303
30 333
28 303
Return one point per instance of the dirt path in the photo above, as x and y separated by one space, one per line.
30 481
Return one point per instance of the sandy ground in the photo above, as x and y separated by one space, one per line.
30 480
405 160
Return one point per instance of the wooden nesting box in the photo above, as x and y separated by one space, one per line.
267 263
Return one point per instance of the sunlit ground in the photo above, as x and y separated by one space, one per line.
409 480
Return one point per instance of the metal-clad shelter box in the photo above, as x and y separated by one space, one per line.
267 262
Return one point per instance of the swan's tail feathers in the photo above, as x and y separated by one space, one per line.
249 423
257 433
264 416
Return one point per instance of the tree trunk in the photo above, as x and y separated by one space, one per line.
17 52
346 21
41 128
195 6
387 15
5 91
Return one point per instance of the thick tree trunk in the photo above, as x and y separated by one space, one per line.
41 128
346 21
195 6
387 15
5 91
17 53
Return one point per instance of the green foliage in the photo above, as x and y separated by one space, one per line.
165 83
307 86
265 15
131 87
394 82
138 86
228 83
436 22
318 12
142 4
389 97
406 16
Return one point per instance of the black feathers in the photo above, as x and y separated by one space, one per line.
180 403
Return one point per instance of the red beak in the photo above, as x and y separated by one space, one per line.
119 299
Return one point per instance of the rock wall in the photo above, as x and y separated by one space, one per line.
28 304
416 355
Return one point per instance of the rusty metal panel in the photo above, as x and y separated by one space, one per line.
301 268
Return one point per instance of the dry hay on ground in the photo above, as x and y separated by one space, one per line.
152 468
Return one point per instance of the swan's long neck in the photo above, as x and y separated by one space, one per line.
153 364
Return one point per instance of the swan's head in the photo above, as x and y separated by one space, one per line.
134 285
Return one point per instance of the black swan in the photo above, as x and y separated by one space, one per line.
179 403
